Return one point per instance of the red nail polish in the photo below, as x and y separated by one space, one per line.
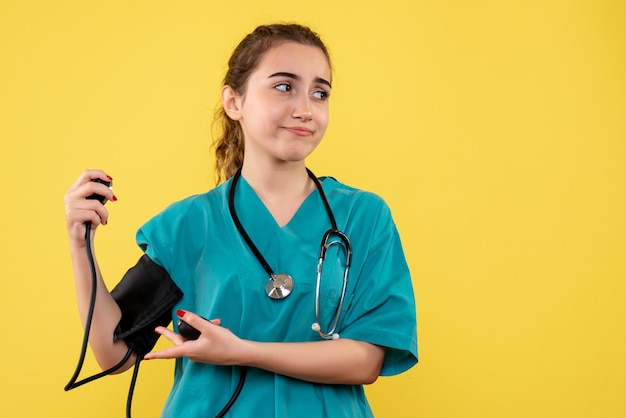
180 313
114 198
109 177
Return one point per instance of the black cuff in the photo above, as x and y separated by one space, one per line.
146 294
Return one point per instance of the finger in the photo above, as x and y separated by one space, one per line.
170 335
80 218
85 186
86 190
195 320
77 205
83 210
168 353
89 175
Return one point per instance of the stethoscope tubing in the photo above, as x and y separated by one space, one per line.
324 246
327 242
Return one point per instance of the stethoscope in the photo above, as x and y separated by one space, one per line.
279 286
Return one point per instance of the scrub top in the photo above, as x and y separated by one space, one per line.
197 242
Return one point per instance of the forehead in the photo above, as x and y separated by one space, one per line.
303 60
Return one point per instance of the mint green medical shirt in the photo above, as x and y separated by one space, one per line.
196 241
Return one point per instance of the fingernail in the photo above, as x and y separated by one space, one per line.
109 177
180 313
114 198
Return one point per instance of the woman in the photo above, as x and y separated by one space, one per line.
267 220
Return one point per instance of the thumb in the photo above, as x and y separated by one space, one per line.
184 314
185 325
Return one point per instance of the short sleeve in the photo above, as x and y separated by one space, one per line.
176 235
382 310
149 238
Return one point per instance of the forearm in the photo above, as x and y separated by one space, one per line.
342 361
106 313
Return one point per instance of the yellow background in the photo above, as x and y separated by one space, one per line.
495 130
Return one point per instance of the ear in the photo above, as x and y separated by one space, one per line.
231 102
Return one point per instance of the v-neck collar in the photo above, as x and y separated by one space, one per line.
257 209
256 223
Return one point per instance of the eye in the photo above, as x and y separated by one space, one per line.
321 94
284 87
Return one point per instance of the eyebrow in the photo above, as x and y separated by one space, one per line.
297 77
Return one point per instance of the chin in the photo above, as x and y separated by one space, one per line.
297 157
295 154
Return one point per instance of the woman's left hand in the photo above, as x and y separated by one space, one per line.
216 345
342 361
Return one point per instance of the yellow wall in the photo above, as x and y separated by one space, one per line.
494 129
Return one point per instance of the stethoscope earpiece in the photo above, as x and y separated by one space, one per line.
316 328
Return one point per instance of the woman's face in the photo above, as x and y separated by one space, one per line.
284 109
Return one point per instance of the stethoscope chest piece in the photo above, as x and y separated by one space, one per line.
279 286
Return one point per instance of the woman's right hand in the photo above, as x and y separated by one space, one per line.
79 209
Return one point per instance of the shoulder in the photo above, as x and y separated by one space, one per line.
184 228
355 199
189 216
362 214
195 207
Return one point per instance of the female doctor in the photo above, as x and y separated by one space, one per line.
311 315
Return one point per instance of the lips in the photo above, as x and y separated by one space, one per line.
299 130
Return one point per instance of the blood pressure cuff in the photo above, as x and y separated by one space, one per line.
146 295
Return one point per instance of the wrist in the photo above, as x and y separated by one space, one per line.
247 354
77 243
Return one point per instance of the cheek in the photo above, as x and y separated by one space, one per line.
266 114
258 122
323 119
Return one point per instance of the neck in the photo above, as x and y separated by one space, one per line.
282 188
285 181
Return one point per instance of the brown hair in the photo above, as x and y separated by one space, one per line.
229 144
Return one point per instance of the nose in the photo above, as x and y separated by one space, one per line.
303 109
305 116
